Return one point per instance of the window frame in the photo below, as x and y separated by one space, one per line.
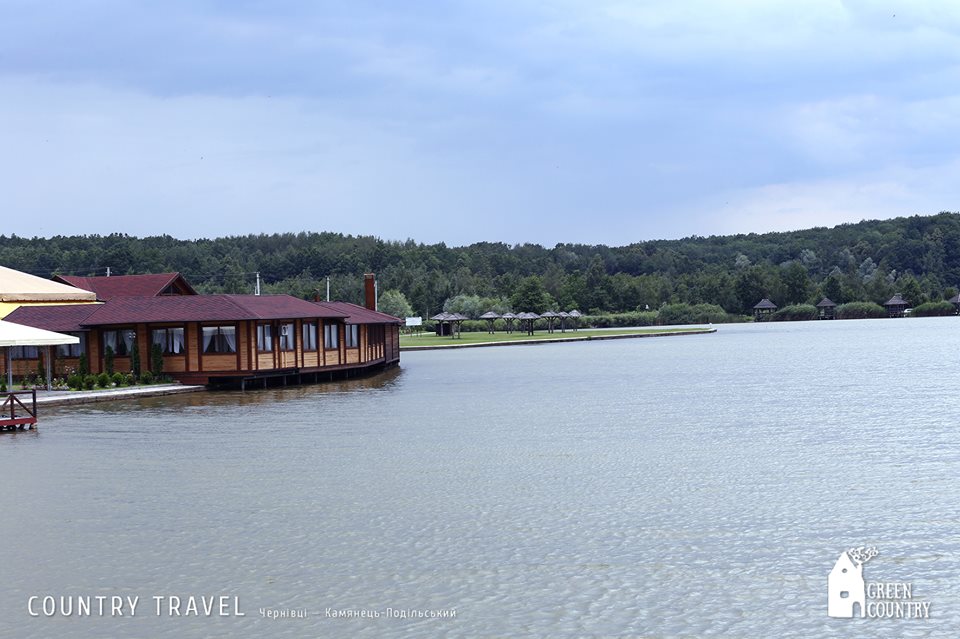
309 341
331 330
219 342
264 334
168 333
351 335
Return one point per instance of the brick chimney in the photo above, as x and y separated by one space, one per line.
370 291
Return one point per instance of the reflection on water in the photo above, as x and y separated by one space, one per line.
693 486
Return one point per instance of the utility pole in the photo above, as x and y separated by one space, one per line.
257 290
328 288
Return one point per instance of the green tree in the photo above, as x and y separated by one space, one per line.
531 296
833 289
796 283
394 302
910 289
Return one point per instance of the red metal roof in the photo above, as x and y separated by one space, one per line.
108 288
172 308
357 314
58 317
205 308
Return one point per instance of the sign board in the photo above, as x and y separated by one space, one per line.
414 321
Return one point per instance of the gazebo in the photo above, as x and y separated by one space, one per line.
575 315
955 300
508 319
14 335
452 321
529 318
827 308
490 316
763 309
549 316
896 306
563 315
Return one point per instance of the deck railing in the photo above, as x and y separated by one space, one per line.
14 413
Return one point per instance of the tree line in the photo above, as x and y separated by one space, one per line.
918 257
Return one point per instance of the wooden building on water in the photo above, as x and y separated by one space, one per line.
896 306
216 339
827 308
763 309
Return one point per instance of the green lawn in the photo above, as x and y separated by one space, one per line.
430 339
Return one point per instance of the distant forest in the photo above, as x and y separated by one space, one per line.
918 257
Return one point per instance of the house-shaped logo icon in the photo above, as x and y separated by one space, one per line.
845 588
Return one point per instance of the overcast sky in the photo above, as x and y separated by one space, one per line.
517 121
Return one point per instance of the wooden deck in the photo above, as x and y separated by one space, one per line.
17 415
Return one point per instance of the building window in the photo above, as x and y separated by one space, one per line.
170 340
288 340
73 350
309 336
330 336
24 352
352 335
219 339
264 338
120 341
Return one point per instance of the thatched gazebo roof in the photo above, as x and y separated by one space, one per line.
955 299
826 303
575 313
896 300
490 315
765 304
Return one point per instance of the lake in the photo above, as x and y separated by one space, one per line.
664 487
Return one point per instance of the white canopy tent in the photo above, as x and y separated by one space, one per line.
12 334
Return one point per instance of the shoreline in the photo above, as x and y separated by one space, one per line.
554 340
62 398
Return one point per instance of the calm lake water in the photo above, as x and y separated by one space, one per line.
672 487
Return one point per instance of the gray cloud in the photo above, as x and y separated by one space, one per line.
594 122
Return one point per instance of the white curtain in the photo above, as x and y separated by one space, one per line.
230 337
208 334
177 340
128 338
110 341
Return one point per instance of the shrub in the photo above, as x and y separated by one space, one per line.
795 313
135 359
860 310
118 379
3 385
108 359
616 320
146 378
935 309
691 314
84 365
89 381
156 360
103 380
129 379
75 381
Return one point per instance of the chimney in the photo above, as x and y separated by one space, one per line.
370 291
